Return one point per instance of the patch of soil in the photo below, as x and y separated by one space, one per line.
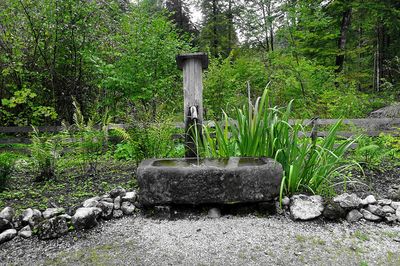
69 187
382 181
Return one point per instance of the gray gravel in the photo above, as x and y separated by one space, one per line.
229 240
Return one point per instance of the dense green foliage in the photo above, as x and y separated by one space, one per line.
310 164
88 64
103 54
316 89
336 58
372 152
149 141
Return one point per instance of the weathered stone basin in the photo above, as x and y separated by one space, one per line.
206 181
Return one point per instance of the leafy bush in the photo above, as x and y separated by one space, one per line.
316 89
149 140
392 143
373 151
6 165
225 82
136 63
309 164
116 54
21 109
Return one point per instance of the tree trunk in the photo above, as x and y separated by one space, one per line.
271 29
215 35
346 18
230 28
359 45
180 14
262 6
379 55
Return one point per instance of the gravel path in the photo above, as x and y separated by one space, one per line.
229 240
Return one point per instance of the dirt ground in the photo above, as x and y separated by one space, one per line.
229 240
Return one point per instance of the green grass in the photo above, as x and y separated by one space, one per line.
361 235
301 238
391 234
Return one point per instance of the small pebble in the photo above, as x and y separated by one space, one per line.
214 213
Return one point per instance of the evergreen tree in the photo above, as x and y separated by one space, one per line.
180 15
218 31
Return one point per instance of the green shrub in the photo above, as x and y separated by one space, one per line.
148 140
127 150
369 153
309 164
392 143
7 160
225 82
22 108
373 151
316 89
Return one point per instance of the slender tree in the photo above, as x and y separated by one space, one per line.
344 28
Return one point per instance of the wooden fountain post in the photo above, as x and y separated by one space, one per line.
192 66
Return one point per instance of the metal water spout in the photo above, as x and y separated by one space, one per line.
193 112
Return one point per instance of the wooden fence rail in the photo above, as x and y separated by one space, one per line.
367 126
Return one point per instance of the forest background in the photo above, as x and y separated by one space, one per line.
116 58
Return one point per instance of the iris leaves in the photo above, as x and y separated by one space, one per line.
309 165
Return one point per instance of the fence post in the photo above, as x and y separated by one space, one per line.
314 130
192 66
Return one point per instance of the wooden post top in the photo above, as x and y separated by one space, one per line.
180 59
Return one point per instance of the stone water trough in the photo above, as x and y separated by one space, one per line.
208 181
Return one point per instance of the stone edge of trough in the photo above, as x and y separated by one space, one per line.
54 222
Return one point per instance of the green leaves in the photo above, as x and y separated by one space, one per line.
45 151
141 66
101 53
312 166
148 140
7 160
24 109
20 97
259 130
222 146
371 152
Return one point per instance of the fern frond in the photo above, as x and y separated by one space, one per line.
122 133
77 117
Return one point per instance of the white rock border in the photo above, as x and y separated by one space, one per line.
54 222
345 205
